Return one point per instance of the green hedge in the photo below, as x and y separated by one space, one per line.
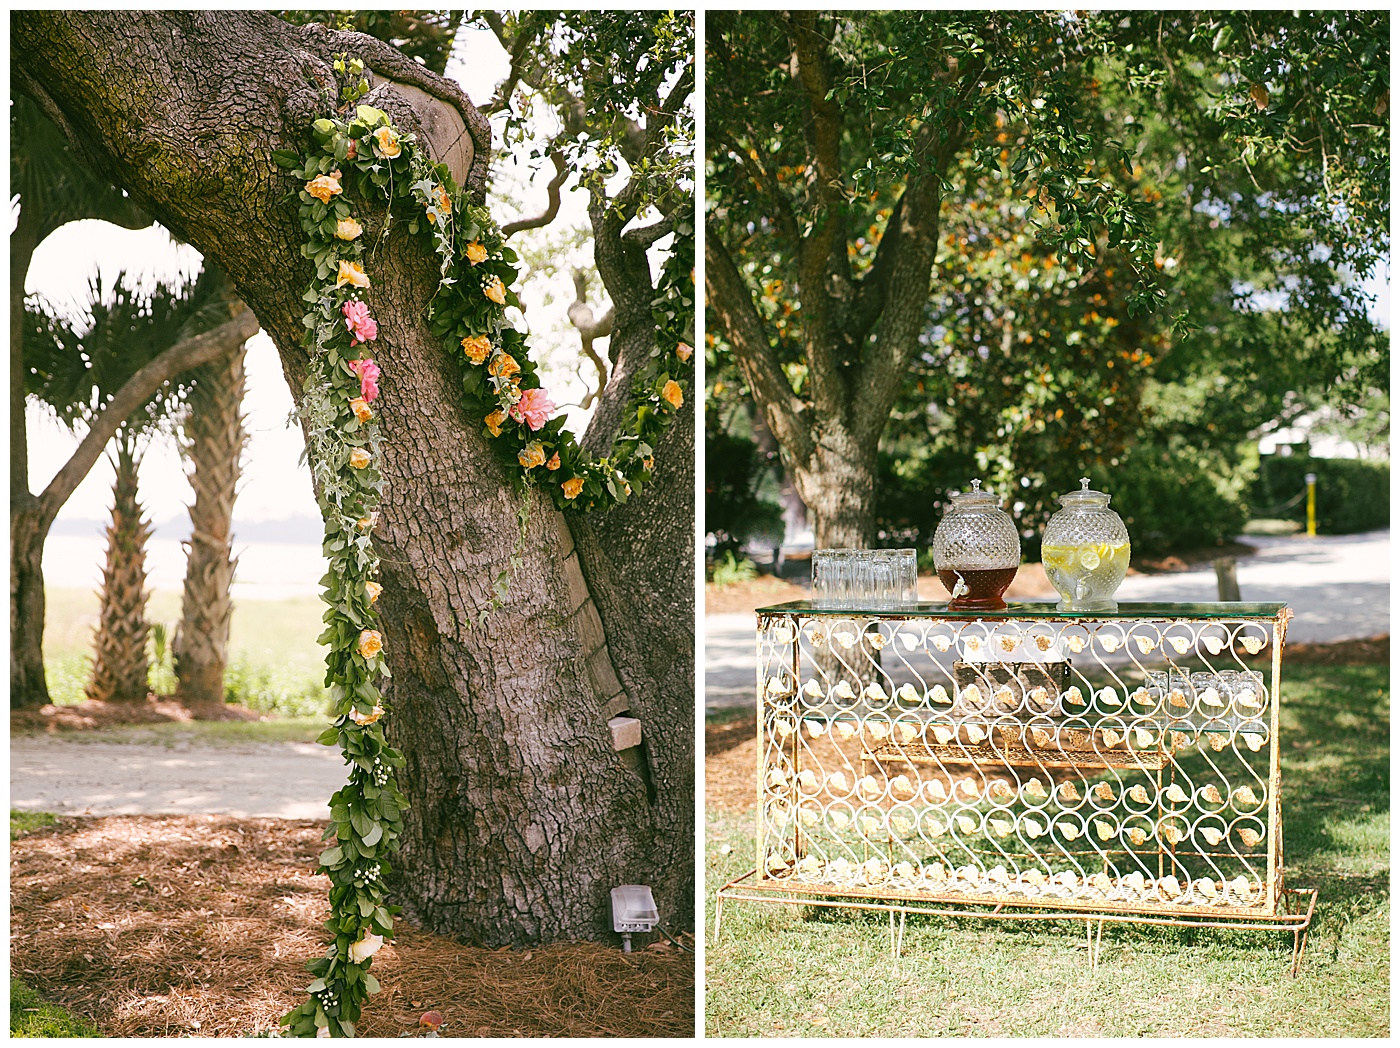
1175 497
1352 494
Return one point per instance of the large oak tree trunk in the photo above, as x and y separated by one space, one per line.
523 816
838 487
216 437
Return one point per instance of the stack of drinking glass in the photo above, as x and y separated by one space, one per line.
874 579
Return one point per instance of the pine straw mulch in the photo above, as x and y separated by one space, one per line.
91 714
731 752
200 925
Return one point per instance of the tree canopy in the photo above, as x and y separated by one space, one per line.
1133 226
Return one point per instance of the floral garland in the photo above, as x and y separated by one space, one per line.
366 157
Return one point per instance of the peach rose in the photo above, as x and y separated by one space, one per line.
369 523
386 142
671 393
503 366
553 462
359 458
494 420
374 589
371 643
361 409
365 719
572 487
348 229
684 351
351 273
475 253
444 201
477 348
649 463
531 455
323 187
495 291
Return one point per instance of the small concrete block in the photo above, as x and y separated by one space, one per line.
626 732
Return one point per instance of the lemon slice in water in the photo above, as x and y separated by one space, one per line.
1089 558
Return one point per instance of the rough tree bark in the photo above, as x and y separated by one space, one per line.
120 665
215 439
523 817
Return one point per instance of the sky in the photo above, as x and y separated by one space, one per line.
275 486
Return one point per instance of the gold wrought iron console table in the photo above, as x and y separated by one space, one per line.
1030 764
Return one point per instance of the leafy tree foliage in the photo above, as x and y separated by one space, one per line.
1136 249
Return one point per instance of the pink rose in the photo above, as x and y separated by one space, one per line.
368 371
533 408
359 323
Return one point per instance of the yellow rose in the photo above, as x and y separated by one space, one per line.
348 229
477 348
671 393
369 523
531 455
371 643
553 462
361 409
495 291
475 253
494 420
572 487
374 589
323 187
683 351
649 463
386 142
444 201
359 458
351 273
503 366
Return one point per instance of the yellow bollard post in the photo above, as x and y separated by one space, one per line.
1311 479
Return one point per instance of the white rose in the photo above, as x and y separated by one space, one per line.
366 948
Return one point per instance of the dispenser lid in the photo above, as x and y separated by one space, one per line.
1085 496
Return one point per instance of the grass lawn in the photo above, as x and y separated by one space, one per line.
275 664
788 971
31 1016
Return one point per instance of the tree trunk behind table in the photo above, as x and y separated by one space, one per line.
216 439
523 817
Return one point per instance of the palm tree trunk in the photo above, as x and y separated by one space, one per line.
215 439
120 665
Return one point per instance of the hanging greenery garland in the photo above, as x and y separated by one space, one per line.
363 157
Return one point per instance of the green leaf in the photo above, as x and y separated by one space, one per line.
332 857
286 158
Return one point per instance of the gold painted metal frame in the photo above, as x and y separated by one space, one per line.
993 764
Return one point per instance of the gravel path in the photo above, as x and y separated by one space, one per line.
289 780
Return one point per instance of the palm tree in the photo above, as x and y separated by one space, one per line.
75 369
214 439
54 189
120 666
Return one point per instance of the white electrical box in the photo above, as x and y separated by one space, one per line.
633 908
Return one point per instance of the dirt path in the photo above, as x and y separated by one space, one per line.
287 780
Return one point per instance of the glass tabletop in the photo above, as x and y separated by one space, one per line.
1042 609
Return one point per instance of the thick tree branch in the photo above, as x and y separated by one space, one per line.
179 358
590 328
561 172
644 236
828 390
729 305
